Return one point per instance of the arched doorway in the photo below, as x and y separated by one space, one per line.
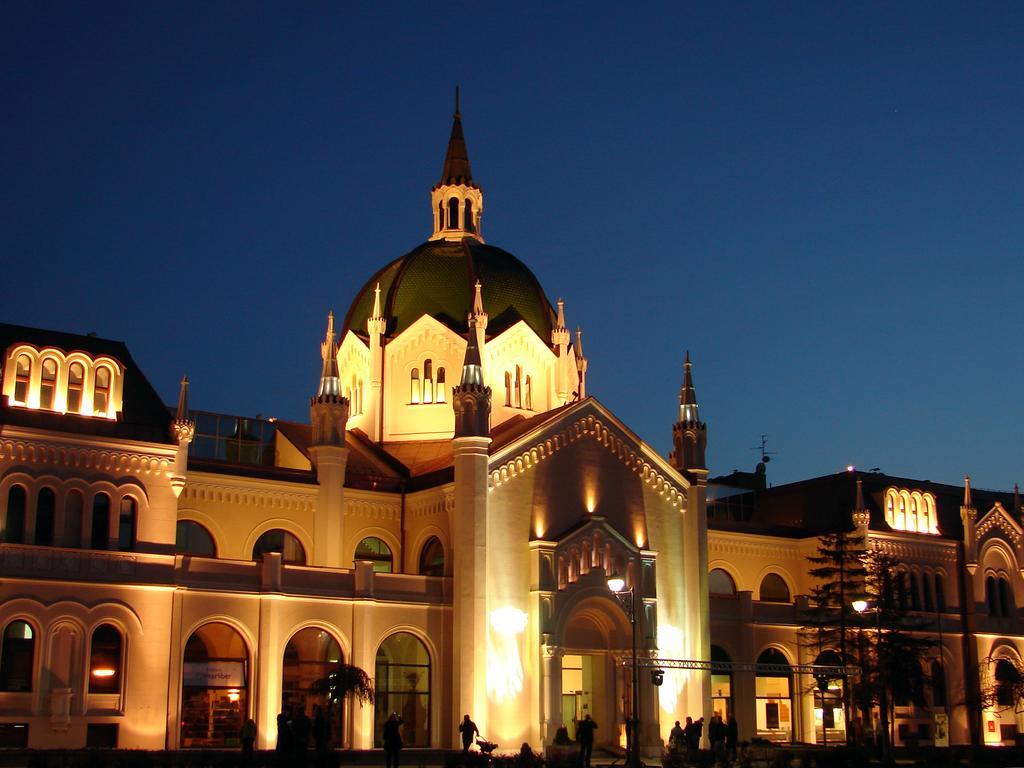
402 682
774 698
721 684
596 634
214 687
309 657
829 723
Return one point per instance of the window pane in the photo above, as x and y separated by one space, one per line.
377 552
105 660
126 524
721 583
45 511
277 540
100 538
14 520
193 539
17 657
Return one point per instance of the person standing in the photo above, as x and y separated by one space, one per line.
392 738
248 736
467 728
676 739
585 736
284 733
731 736
321 729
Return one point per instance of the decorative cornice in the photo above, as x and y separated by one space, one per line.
200 491
591 427
998 517
81 456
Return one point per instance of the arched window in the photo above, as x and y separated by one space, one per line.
22 379
440 215
1007 679
470 226
282 542
938 684
414 386
519 387
101 391
100 538
829 726
439 387
126 523
773 706
74 506
529 394
432 558
17 657
721 683
903 585
915 593
377 552
105 660
310 657
453 213
508 389
428 381
402 685
929 597
14 520
940 594
774 589
46 508
48 384
193 539
214 696
1006 605
890 513
76 383
720 584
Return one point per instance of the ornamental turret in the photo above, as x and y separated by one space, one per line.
457 201
560 343
183 429
328 410
969 518
861 515
689 434
581 367
471 399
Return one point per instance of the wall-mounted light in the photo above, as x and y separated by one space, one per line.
103 672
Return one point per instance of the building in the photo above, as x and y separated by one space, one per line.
447 520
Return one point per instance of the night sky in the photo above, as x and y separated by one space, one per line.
821 201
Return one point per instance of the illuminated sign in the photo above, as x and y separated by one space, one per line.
214 674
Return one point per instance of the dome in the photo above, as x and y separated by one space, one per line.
438 279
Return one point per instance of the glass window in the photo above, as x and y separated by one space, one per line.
377 552
309 658
74 506
774 589
76 380
519 387
440 215
193 539
929 598
721 584
1005 598
126 524
508 388
214 696
829 723
772 691
428 382
277 540
414 386
1007 677
48 383
46 507
402 685
915 593
14 520
101 391
529 394
721 684
470 225
17 657
440 385
105 660
432 558
453 213
22 379
990 596
100 538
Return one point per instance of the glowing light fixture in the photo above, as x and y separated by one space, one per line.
616 583
860 605
103 672
233 694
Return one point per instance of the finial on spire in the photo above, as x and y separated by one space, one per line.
688 407
478 301
182 414
456 100
967 491
560 323
330 379
376 300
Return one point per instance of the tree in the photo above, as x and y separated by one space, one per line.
344 681
838 569
1002 685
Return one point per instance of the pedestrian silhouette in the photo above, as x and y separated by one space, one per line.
392 739
585 736
467 728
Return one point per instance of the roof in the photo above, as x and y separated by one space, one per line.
438 278
823 504
456 161
144 416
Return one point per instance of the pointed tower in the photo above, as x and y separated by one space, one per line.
183 430
689 434
560 341
581 366
478 325
471 400
457 201
969 517
861 515
328 413
375 328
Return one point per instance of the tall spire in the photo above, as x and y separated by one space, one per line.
471 399
967 492
330 380
472 371
688 408
182 414
581 365
183 429
456 162
456 200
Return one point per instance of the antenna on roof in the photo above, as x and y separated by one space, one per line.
765 454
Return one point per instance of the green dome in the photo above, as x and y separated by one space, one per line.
438 279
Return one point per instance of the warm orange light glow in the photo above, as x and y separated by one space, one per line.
504 663
233 694
103 672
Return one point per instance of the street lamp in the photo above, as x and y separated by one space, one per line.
618 587
861 606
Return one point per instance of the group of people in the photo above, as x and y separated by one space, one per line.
722 735
295 729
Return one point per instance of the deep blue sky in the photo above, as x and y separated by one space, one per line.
822 201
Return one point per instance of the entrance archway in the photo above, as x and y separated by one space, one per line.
214 687
309 657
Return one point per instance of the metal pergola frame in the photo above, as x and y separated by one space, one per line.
778 670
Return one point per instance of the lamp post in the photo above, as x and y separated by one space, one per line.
618 587
860 606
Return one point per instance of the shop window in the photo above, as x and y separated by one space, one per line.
721 683
193 539
22 379
14 519
402 685
48 384
17 657
720 584
101 391
76 385
310 657
377 552
432 558
214 696
100 538
105 660
46 508
773 703
126 524
282 542
774 589
74 506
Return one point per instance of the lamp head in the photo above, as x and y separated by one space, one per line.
860 605
616 583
